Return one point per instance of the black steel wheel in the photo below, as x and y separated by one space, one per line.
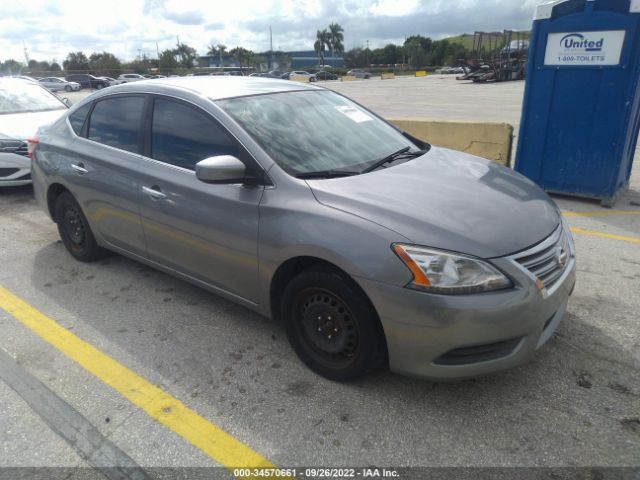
331 325
75 231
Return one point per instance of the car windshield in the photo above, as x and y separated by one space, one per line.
24 97
315 131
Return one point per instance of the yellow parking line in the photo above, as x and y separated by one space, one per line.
595 233
601 213
158 404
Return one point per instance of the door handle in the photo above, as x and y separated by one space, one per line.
154 192
79 168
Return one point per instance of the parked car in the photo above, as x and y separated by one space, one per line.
87 81
56 84
24 107
111 81
275 74
290 199
359 73
324 75
130 77
302 73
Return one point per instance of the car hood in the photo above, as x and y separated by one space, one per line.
20 126
448 200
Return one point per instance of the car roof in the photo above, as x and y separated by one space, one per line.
216 87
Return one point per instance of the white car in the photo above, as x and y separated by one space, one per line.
112 81
56 84
130 77
24 107
302 73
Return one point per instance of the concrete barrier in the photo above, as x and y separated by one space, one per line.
299 78
387 76
488 140
348 78
421 73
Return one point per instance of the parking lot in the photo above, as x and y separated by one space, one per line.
195 365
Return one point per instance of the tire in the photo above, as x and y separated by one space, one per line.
331 325
74 230
67 88
99 86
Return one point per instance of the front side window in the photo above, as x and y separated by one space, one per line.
314 131
182 135
116 122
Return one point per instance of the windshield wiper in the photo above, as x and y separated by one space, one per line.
402 153
326 174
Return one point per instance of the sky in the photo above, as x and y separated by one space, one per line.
49 29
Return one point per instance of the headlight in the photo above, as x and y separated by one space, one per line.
447 273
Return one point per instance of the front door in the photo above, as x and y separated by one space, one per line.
206 231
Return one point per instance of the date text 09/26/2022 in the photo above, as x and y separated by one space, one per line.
315 473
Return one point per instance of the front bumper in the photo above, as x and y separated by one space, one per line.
442 337
15 170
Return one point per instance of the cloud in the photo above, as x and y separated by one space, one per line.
128 26
185 18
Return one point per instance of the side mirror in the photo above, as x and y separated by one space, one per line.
67 102
221 169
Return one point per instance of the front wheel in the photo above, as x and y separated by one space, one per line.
74 230
331 325
99 86
67 88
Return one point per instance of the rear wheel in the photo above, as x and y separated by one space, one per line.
331 325
74 230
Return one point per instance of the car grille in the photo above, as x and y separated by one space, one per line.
547 260
18 147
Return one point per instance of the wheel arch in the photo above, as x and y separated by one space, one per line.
53 192
295 265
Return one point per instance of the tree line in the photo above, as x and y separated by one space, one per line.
417 51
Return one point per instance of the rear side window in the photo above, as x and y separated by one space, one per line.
116 122
182 135
77 118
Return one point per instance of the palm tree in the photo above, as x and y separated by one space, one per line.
336 38
241 55
322 40
221 50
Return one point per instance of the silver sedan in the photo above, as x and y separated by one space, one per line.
56 84
371 247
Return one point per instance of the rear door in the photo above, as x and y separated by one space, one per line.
208 232
104 170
